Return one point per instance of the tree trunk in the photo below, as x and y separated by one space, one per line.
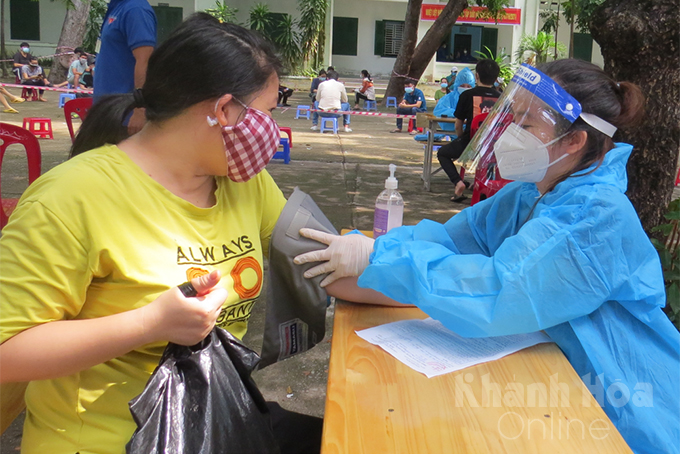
639 42
72 34
571 31
408 44
428 46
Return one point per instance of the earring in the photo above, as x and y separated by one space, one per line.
211 121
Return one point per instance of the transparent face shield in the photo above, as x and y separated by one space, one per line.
516 136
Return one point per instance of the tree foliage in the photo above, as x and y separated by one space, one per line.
312 24
540 47
223 12
260 19
94 24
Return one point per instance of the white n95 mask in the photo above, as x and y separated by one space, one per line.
521 156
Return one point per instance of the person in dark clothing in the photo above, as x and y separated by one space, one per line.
315 84
486 73
21 58
284 94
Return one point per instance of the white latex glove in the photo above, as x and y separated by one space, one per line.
345 255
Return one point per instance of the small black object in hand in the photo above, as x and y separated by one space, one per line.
187 289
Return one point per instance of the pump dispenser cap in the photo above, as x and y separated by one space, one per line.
391 182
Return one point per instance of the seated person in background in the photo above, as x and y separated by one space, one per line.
443 91
331 96
88 75
315 84
451 78
466 57
32 74
486 72
77 69
284 94
447 106
21 59
414 101
366 92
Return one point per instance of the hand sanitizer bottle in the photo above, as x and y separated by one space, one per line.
389 207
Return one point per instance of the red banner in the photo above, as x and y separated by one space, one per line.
511 16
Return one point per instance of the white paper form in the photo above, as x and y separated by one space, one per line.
429 348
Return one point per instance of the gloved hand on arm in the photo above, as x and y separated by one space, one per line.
345 255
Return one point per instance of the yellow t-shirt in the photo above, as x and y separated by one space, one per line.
96 236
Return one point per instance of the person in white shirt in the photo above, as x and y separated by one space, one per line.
77 69
331 96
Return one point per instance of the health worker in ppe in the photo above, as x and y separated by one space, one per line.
560 249
447 105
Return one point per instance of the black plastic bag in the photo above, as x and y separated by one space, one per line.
202 400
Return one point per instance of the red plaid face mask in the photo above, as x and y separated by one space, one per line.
250 144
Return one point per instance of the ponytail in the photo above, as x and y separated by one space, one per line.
104 124
632 105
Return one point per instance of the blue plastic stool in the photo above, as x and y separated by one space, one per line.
302 112
334 124
285 154
370 105
63 97
391 101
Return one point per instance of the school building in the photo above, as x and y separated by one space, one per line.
360 34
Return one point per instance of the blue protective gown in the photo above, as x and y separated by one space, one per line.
447 105
581 268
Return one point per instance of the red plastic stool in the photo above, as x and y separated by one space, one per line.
39 127
412 125
289 133
29 93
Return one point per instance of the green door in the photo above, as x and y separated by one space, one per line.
490 40
167 18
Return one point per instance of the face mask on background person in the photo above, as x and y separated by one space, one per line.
83 61
462 89
408 90
250 144
444 85
25 49
322 77
521 156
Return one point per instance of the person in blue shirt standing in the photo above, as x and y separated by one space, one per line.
414 101
127 39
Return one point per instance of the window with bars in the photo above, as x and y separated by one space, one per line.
394 33
388 37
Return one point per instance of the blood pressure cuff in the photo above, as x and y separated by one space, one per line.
296 306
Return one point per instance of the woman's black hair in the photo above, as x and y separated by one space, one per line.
366 75
203 59
619 103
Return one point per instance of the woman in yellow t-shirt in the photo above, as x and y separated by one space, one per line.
96 247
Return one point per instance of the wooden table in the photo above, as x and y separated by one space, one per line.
427 158
377 405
